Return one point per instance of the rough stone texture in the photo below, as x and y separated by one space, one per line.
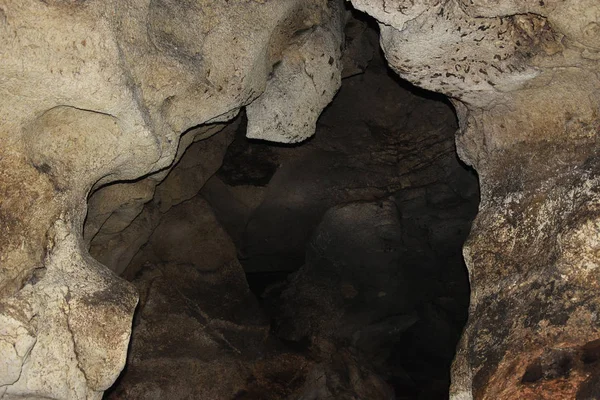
372 283
301 84
524 76
384 279
361 44
188 276
199 332
97 92
197 320
72 315
93 92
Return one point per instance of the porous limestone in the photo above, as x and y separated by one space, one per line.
95 92
525 81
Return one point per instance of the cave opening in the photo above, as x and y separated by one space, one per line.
326 269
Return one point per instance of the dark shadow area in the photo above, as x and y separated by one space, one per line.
353 239
329 269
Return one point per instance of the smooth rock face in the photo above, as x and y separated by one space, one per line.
96 92
524 77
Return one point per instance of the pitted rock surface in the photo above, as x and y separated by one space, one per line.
96 92
525 81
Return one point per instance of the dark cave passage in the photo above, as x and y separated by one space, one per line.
327 269
151 250
343 247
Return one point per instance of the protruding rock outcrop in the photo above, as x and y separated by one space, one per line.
96 92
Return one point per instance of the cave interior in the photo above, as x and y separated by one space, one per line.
330 268
299 199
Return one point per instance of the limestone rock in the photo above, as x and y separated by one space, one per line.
122 216
302 83
343 376
197 322
366 287
526 89
340 277
199 332
360 47
84 328
386 272
98 92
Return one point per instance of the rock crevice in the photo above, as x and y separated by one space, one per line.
99 101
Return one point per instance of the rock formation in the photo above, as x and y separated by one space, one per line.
524 78
100 100
96 92
370 215
199 332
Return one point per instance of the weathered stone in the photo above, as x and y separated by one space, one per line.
93 93
526 91
199 332
361 45
302 83
98 92
372 284
197 321
84 328
123 216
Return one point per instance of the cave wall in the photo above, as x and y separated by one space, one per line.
524 78
381 295
271 198
97 92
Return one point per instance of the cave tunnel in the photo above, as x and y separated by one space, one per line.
330 268
299 199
